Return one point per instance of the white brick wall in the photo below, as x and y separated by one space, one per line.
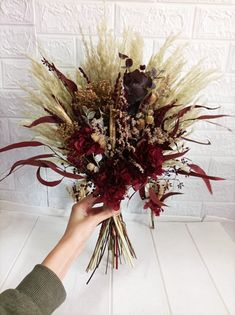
53 27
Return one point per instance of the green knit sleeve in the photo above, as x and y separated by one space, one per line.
39 293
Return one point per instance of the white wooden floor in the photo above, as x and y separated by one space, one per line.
182 268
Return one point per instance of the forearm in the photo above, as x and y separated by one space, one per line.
62 256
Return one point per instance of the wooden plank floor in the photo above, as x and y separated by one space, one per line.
182 268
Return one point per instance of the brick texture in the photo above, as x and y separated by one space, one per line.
52 27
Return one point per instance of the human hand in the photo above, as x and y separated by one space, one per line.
85 217
82 222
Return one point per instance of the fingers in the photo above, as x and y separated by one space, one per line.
87 202
103 213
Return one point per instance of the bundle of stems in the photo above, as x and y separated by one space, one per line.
113 236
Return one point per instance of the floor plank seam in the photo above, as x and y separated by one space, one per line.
161 273
19 253
208 271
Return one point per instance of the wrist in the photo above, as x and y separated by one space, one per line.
62 256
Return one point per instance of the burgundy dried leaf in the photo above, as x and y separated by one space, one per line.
35 161
176 128
154 198
69 84
202 175
183 111
174 155
217 124
28 162
85 76
199 170
122 56
142 192
167 195
161 113
54 167
198 142
209 117
43 120
22 144
45 182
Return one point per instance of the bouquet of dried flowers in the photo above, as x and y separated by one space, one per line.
120 125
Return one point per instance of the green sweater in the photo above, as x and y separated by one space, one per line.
39 293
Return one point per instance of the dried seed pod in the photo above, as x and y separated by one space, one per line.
149 120
90 167
152 99
140 123
95 136
96 169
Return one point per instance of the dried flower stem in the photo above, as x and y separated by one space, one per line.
152 220
113 232
112 130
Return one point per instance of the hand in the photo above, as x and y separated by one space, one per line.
83 220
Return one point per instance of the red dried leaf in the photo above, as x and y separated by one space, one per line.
85 76
183 111
54 167
195 141
209 117
206 107
217 124
200 171
44 119
28 162
35 161
142 193
122 56
153 196
22 144
199 175
45 182
167 195
176 128
174 155
161 112
69 84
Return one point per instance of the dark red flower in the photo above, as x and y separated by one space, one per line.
82 142
150 158
111 182
153 206
80 145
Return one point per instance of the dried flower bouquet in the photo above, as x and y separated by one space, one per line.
120 125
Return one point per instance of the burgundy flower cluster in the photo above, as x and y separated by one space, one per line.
115 175
81 145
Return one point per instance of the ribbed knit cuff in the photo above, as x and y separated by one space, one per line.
44 287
